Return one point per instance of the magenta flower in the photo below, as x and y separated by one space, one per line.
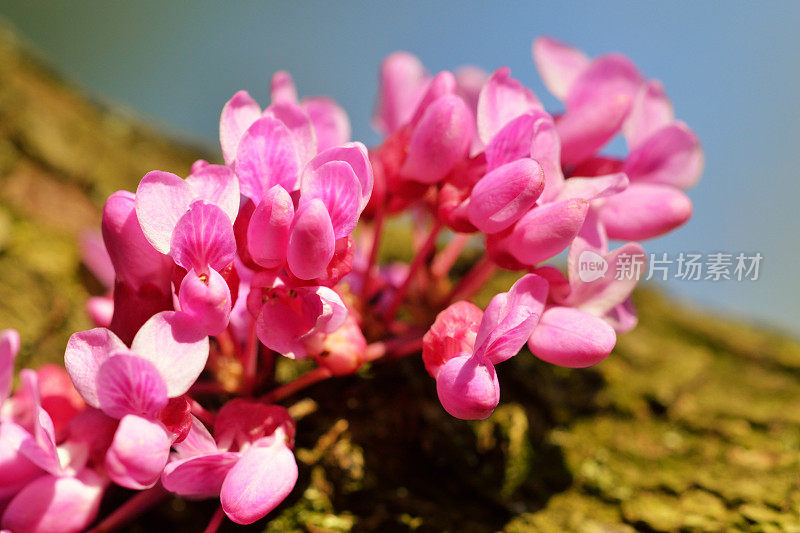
577 327
334 190
665 155
250 466
143 275
192 221
461 353
293 320
134 385
47 478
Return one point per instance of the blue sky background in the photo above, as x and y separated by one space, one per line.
732 70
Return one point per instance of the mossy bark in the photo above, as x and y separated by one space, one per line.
692 424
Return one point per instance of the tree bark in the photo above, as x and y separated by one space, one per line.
693 423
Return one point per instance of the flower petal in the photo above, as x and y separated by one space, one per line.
282 89
546 149
9 347
510 318
600 296
469 82
268 231
86 352
331 125
207 300
605 79
266 157
558 64
312 241
216 184
130 385
403 81
299 124
651 111
242 422
16 470
332 311
138 453
56 504
135 261
591 239
261 480
95 256
197 442
468 388
200 476
355 154
143 284
584 130
452 334
571 338
161 200
176 345
511 143
336 185
644 211
671 155
623 317
506 193
592 188
40 452
442 84
440 139
203 238
237 115
502 99
546 230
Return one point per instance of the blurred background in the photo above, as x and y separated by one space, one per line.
732 71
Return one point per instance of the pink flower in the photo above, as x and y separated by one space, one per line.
250 465
143 275
335 188
577 328
192 221
134 385
47 477
344 349
466 381
293 320
606 96
53 504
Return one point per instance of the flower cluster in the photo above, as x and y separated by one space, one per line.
212 277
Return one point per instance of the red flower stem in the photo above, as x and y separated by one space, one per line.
250 362
216 521
205 416
306 380
472 280
366 287
268 362
394 348
409 347
134 507
226 343
416 263
445 259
